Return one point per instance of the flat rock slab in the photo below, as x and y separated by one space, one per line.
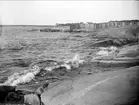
129 51
128 56
117 62
107 42
107 88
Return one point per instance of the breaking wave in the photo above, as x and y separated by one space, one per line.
23 76
105 51
50 66
68 64
26 76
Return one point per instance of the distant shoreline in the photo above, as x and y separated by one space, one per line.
71 23
31 25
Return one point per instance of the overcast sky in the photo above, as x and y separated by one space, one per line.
52 12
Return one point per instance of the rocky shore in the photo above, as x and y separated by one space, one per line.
109 76
116 77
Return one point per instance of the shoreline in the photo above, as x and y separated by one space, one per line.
106 55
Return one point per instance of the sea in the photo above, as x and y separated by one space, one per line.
26 57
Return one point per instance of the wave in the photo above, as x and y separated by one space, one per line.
27 75
22 77
68 64
105 51
15 45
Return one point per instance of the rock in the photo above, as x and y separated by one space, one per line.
95 62
108 42
124 63
103 43
129 32
116 62
125 57
129 51
31 99
105 63
34 88
109 88
109 57
9 94
62 88
32 93
119 36
22 94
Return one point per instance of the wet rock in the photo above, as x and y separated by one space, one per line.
106 87
110 57
107 43
32 99
125 57
29 94
127 63
14 97
105 64
115 62
129 51
9 94
95 62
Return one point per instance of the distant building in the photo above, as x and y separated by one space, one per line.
103 25
82 25
86 26
138 23
0 28
74 26
89 26
134 22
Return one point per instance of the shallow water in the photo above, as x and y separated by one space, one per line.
20 50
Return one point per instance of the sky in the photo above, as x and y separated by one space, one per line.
52 12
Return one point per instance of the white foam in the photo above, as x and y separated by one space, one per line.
49 68
113 48
68 64
68 67
75 61
28 75
105 51
23 76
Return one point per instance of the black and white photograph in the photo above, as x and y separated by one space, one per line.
69 52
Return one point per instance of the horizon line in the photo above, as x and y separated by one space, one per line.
62 23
